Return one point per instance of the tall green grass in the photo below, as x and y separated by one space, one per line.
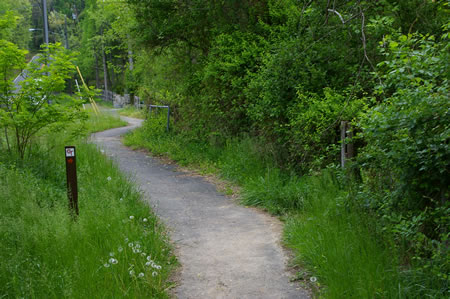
339 246
132 111
116 247
335 239
103 121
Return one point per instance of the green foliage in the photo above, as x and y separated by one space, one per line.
258 89
337 245
133 112
15 17
313 130
406 160
45 253
232 57
38 102
334 239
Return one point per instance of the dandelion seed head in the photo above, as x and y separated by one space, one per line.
131 217
131 272
149 258
313 279
143 254
126 239
141 274
130 244
108 178
111 254
145 220
120 249
158 267
148 264
106 265
154 273
121 199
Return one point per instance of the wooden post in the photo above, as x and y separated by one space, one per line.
71 175
347 149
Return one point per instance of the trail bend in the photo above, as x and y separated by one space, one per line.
225 250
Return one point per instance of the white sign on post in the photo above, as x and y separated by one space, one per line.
70 152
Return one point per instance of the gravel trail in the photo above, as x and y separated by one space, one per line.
225 250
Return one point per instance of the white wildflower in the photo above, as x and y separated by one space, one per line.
141 274
313 279
145 220
108 178
131 217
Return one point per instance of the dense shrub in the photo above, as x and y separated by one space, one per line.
406 161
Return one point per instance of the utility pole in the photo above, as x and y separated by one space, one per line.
44 4
66 40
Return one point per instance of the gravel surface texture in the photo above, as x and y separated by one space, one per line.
225 250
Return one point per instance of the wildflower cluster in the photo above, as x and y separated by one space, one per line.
142 263
111 260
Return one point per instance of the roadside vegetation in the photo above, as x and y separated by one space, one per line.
341 248
258 90
132 111
116 247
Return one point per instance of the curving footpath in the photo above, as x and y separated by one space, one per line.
225 250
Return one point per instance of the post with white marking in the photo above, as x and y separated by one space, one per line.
71 174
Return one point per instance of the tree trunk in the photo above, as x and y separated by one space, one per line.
130 66
112 77
105 71
97 75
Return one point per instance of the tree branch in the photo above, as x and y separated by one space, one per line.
338 14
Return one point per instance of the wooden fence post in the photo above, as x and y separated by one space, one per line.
347 149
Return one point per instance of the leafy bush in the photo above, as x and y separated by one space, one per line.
407 157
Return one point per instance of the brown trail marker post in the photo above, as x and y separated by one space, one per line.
71 174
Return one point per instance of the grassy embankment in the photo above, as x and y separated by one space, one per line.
336 243
132 111
116 248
